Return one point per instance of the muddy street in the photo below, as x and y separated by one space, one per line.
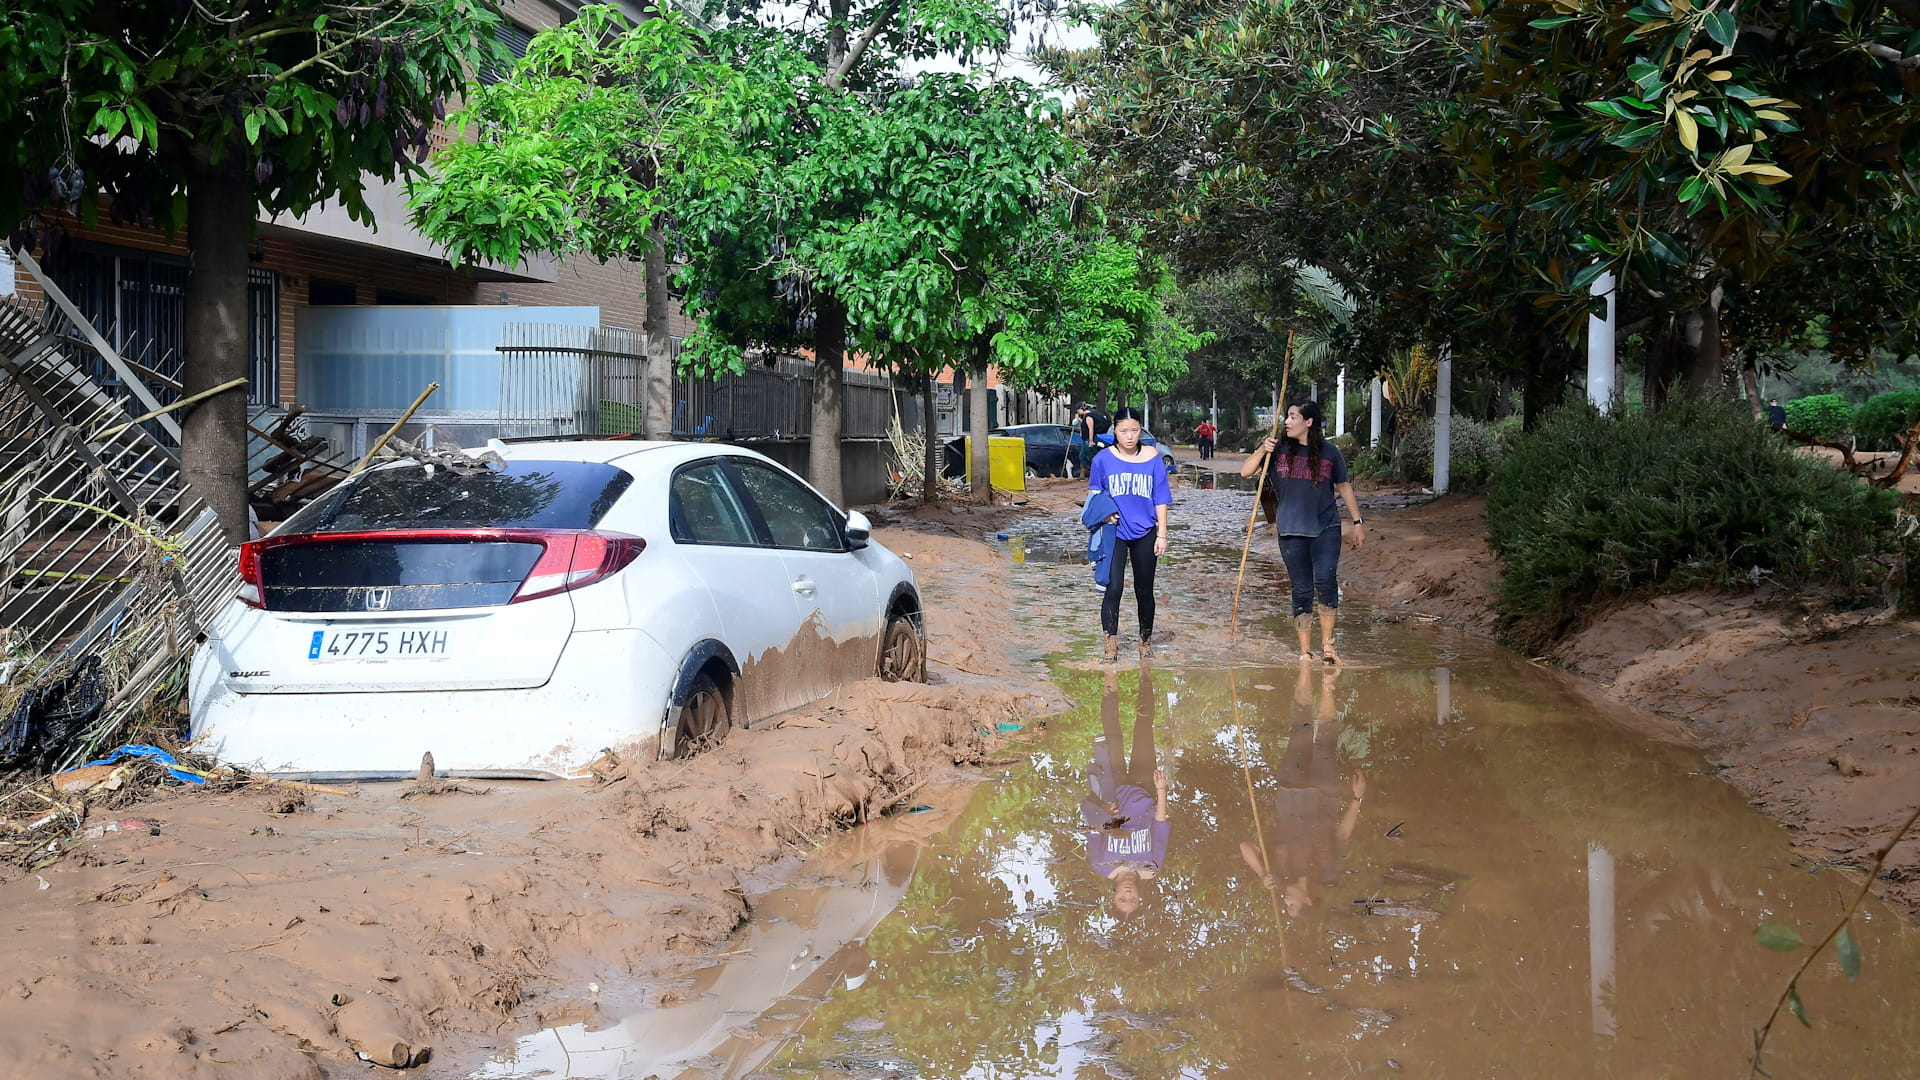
1439 861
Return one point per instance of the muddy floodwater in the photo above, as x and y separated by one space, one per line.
1442 861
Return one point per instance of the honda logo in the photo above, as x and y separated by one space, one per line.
378 599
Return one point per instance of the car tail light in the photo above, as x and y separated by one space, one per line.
575 559
568 559
250 574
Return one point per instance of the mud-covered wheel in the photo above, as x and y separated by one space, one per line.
704 718
903 653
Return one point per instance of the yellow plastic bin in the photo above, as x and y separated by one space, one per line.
1006 461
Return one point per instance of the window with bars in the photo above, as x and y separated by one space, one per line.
263 337
138 300
516 39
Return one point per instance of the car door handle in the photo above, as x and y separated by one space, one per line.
804 586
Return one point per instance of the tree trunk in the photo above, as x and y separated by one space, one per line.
930 483
1243 413
656 414
837 12
1705 375
982 487
1750 384
829 365
1545 379
213 433
1662 365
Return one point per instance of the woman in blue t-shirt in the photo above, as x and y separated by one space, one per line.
1135 477
1305 473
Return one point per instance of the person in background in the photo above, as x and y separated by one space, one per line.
1127 829
1083 433
1076 464
1776 415
1305 472
1203 437
1135 478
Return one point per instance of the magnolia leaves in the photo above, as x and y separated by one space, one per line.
1782 937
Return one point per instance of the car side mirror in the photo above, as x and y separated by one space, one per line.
859 529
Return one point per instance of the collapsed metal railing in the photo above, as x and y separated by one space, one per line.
109 567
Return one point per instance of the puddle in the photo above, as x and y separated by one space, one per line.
1526 890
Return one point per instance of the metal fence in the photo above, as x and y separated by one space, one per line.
108 565
570 380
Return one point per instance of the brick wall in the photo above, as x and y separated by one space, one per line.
618 288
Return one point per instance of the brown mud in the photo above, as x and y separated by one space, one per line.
1814 716
263 932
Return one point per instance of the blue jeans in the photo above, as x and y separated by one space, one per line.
1313 565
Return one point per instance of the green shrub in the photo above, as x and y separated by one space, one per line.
1590 508
1507 430
1823 416
1473 451
1885 417
1347 443
1369 463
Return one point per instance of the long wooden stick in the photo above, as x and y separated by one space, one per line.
397 425
1260 834
1279 416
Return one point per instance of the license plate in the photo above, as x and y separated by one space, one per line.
329 645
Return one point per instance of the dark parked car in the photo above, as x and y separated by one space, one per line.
1046 449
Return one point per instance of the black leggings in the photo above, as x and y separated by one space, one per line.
1140 552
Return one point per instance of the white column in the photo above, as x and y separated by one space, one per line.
1600 954
1373 410
1442 695
1340 402
1600 386
1443 424
1213 411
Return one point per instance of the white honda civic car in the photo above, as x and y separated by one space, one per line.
516 617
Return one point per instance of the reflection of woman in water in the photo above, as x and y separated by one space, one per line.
1127 830
1307 839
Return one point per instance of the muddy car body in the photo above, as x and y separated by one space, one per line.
517 617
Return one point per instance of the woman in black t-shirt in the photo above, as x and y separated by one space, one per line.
1306 472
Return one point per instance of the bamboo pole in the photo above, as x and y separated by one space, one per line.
231 384
1279 415
397 425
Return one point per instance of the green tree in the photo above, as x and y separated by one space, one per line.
202 116
1279 133
1700 150
768 261
868 220
1100 310
581 150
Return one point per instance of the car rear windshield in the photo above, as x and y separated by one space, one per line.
513 495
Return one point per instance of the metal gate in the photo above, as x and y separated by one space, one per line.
106 559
